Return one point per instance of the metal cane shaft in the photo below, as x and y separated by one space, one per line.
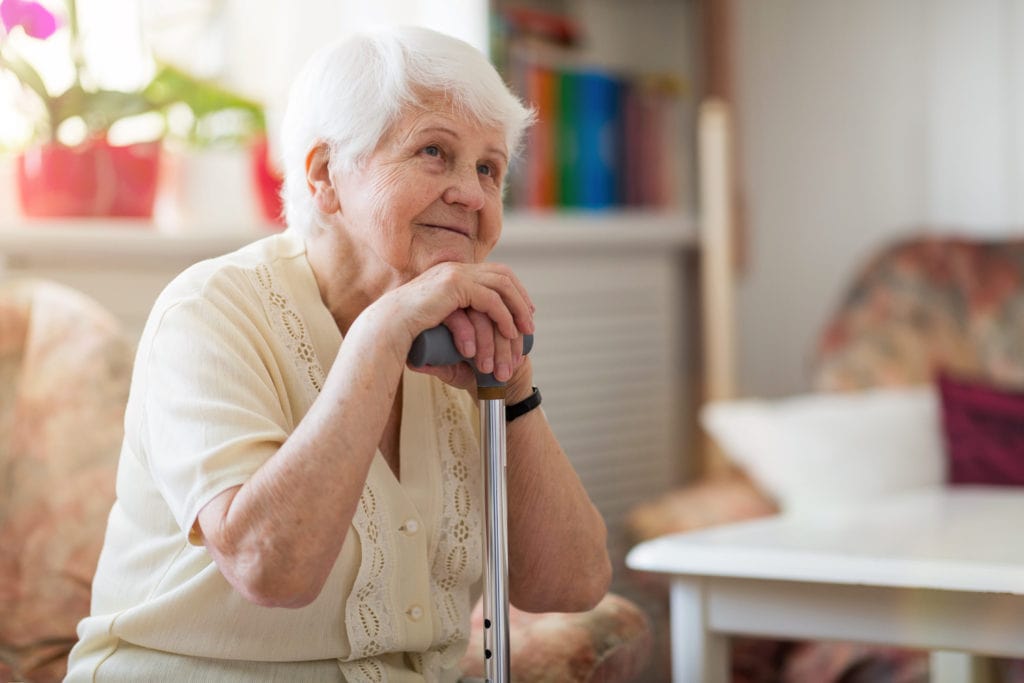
435 347
496 636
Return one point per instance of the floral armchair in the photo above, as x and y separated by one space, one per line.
65 369
64 372
924 305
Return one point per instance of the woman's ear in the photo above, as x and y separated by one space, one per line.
318 178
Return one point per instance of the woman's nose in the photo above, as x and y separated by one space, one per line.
465 188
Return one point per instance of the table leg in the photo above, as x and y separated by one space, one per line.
959 667
698 655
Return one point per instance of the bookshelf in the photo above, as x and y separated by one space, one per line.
653 307
613 85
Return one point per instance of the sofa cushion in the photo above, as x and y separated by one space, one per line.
64 375
832 448
984 430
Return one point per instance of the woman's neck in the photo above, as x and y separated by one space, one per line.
347 285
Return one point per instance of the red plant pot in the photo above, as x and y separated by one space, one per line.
268 182
91 179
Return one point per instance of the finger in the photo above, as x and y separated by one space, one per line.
519 286
487 288
503 358
480 291
463 332
484 329
513 295
517 352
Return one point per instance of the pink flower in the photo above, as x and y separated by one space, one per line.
34 19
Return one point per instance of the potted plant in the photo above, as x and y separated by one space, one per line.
217 167
89 177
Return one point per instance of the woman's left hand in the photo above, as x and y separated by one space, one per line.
495 354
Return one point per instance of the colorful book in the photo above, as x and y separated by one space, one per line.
598 139
601 140
540 178
567 147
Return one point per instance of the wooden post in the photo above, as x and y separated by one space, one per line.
717 278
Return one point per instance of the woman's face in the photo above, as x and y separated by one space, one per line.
430 193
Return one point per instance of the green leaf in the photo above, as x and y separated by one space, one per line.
28 76
104 107
172 85
69 103
99 109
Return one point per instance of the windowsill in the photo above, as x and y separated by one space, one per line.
114 239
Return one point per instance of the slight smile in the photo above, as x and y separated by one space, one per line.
460 231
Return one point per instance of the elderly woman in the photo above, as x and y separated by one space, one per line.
293 501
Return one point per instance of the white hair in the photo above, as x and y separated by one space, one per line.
351 91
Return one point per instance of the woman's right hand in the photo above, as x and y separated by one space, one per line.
485 306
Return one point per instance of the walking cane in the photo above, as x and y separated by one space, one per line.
435 347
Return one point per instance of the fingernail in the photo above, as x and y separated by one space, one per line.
503 373
469 348
486 365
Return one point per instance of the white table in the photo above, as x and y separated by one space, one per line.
941 570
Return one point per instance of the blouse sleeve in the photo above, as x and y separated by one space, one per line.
213 409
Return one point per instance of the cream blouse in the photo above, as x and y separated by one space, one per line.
234 353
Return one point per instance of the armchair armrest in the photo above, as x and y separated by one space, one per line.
610 643
730 498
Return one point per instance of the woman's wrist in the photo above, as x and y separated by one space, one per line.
520 387
382 322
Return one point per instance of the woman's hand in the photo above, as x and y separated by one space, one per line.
493 353
486 308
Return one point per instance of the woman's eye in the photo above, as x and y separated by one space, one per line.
485 169
432 150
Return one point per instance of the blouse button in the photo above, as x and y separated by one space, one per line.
415 613
410 527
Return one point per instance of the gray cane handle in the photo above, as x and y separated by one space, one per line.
436 347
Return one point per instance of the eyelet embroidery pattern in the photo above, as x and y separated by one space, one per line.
457 556
363 671
368 620
290 327
370 630
456 553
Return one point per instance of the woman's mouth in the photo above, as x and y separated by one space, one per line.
449 228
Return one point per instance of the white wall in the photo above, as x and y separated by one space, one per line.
279 37
859 122
974 63
258 46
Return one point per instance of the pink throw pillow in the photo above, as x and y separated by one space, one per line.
984 430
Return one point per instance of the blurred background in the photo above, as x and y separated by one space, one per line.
851 124
854 122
